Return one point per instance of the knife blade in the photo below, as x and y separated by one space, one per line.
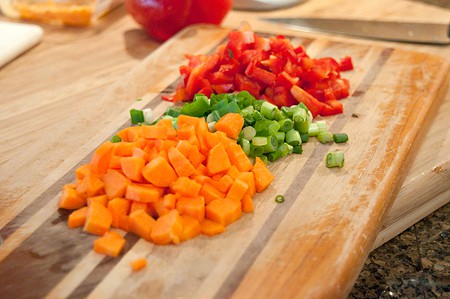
417 32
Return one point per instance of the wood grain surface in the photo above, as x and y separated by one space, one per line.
313 245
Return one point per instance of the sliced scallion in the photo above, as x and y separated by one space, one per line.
335 159
268 110
340 137
137 116
325 137
248 132
279 198
286 125
293 137
116 139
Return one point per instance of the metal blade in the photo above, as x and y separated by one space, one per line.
433 33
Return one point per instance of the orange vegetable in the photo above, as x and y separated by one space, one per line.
101 158
118 207
263 177
191 227
210 193
143 192
110 244
167 228
186 119
180 163
134 133
247 204
101 199
124 149
82 171
77 218
124 223
138 264
217 160
224 211
159 172
114 163
132 168
160 208
186 186
90 186
137 205
98 219
249 178
140 153
70 199
154 132
184 147
211 228
169 201
141 224
237 190
233 172
223 183
231 124
171 132
192 206
238 158
115 183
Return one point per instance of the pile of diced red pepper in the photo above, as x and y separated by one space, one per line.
271 69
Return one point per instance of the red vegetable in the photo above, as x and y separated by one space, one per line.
269 68
163 18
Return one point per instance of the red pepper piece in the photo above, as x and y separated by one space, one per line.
260 74
345 64
331 108
313 104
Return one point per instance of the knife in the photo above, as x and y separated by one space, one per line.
418 32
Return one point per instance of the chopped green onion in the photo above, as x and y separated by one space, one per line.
293 137
173 111
284 150
268 110
279 198
116 139
245 144
304 137
325 137
274 156
138 99
230 53
335 159
272 144
280 137
137 116
212 126
302 127
300 116
313 129
198 107
287 111
257 115
148 115
273 127
340 137
286 125
256 151
290 148
210 118
216 115
259 141
279 115
257 104
297 149
248 132
263 158
322 125
247 98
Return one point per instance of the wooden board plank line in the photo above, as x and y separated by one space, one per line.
245 262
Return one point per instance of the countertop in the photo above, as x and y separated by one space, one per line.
414 264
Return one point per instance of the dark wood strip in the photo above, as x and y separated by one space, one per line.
271 224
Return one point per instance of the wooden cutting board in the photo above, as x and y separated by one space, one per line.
311 246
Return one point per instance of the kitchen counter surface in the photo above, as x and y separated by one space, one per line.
413 264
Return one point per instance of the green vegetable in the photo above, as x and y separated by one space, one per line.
335 159
198 107
279 198
137 116
325 137
340 137
116 139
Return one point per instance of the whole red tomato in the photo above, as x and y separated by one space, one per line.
163 18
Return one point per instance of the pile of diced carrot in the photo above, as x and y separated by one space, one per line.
164 184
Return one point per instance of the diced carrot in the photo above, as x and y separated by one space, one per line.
115 183
238 158
227 142
165 145
114 163
110 244
90 186
134 133
123 134
247 204
180 163
186 132
263 177
192 206
231 124
222 184
98 219
143 192
82 171
160 207
167 228
249 178
77 218
237 190
101 199
196 157
169 201
154 132
186 186
118 207
224 211
191 227
132 167
137 205
201 129
124 149
124 223
151 210
217 160
233 172
211 139
159 172
201 178
171 132
70 199
101 158
186 119
201 170
140 153
184 147
211 228
138 264
210 193
141 224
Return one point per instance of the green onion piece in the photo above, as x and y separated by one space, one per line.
293 137
230 53
198 107
325 137
304 137
137 116
247 111
268 110
249 120
286 125
248 132
335 159
210 118
263 158
298 149
272 144
257 115
279 198
302 127
300 116
274 156
116 139
262 125
279 115
259 141
212 126
256 151
216 115
257 104
284 150
273 127
290 148
247 98
322 126
340 137
287 111
280 137
313 129
245 144
217 104
175 123
173 111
